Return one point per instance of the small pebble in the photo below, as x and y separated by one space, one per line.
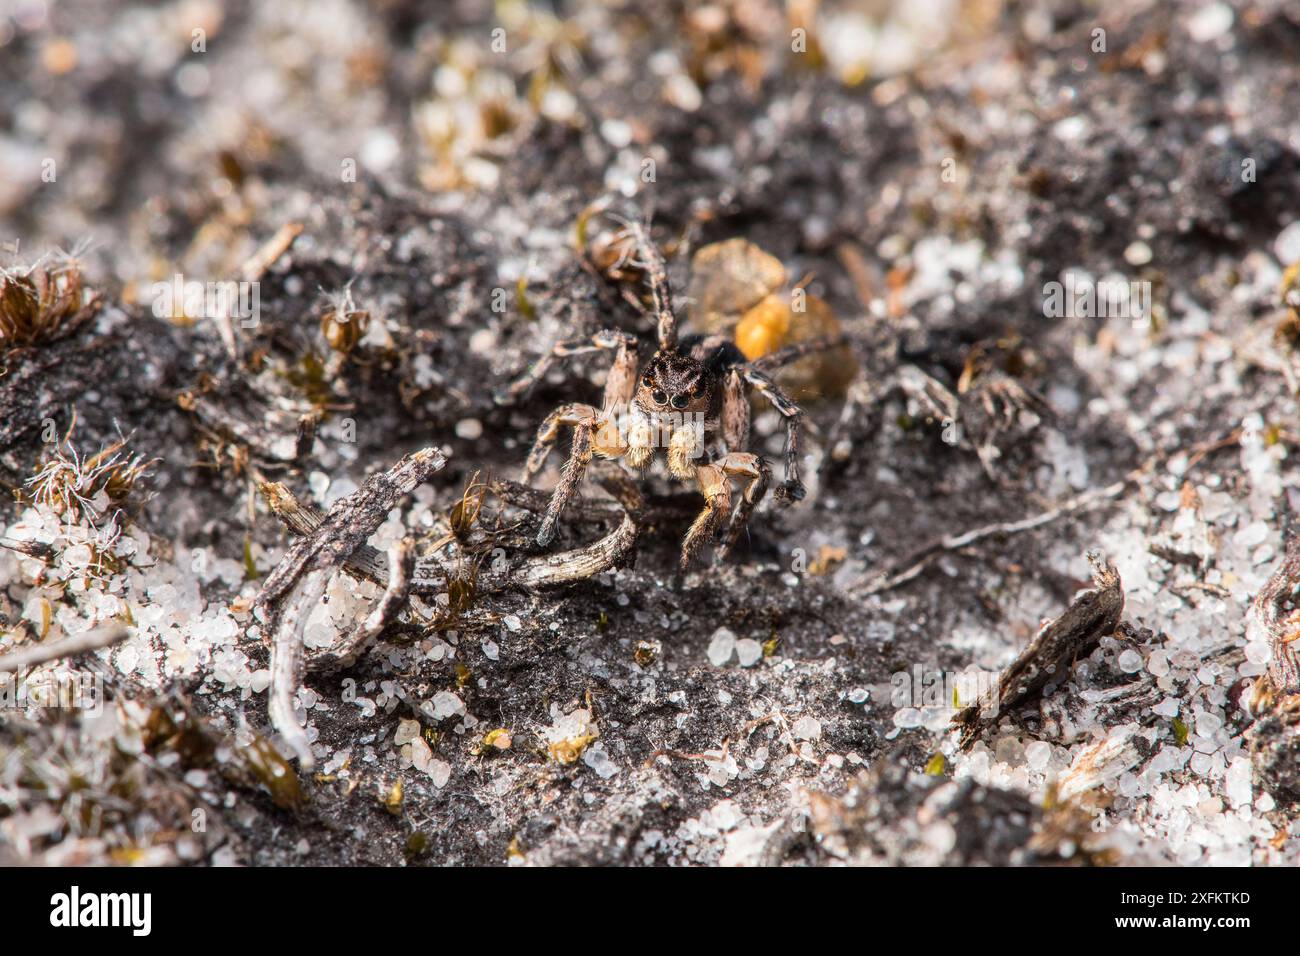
721 647
807 728
749 652
1137 254
1210 22
469 429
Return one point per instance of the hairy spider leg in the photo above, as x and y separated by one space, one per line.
735 411
622 375
571 415
743 465
792 488
652 261
716 489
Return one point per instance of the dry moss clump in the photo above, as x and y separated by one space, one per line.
74 487
43 302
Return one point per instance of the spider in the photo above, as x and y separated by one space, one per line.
691 399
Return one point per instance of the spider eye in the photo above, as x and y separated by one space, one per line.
680 401
648 380
659 397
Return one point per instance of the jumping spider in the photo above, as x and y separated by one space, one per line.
691 398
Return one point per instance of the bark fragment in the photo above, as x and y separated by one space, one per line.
1092 615
337 541
298 583
1274 738
429 575
1275 615
350 522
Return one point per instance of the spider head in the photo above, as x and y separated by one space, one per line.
672 382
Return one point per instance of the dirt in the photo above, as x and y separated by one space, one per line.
930 206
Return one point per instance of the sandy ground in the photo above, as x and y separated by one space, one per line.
930 170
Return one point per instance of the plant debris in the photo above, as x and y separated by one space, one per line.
1054 324
1092 615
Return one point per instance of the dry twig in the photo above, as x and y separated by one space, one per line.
1275 613
900 572
91 640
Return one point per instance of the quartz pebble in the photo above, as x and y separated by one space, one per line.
721 647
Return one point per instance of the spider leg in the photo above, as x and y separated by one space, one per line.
622 376
593 432
743 465
717 502
652 261
620 383
570 479
549 432
792 488
735 411
866 395
792 353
